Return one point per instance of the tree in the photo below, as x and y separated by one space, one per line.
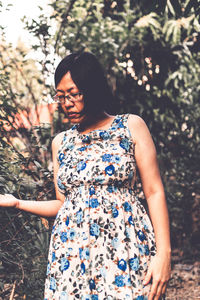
150 53
25 171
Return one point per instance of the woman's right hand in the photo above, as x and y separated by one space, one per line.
8 200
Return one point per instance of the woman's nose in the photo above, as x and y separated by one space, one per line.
68 102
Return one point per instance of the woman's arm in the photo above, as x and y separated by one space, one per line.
42 208
146 160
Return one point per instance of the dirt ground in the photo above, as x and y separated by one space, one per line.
185 282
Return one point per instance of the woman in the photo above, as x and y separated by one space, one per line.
103 244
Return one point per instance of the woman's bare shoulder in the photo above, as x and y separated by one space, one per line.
137 127
135 120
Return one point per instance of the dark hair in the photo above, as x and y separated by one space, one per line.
89 77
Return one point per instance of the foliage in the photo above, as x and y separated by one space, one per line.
24 238
150 53
25 172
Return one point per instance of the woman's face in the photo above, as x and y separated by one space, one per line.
73 106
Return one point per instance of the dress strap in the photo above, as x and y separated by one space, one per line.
125 123
125 117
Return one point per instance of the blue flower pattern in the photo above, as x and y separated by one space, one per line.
102 239
134 263
84 253
94 230
64 264
94 202
109 170
122 264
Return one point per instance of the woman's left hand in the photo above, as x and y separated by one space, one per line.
159 270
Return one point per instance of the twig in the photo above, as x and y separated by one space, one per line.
11 220
19 265
13 291
64 22
18 231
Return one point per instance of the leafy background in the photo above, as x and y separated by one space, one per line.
150 52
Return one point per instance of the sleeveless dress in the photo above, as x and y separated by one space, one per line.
102 239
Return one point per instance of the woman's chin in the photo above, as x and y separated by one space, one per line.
75 118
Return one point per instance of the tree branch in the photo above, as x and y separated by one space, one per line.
64 22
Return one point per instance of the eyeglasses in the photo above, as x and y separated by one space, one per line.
74 97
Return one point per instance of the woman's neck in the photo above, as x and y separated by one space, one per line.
94 122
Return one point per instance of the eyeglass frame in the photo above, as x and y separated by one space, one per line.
69 97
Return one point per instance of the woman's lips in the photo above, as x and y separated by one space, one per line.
72 114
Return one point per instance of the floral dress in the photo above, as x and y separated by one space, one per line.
102 239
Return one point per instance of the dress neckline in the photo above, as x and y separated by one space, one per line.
96 130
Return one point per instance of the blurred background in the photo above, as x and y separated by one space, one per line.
150 51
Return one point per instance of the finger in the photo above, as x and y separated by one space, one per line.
147 277
3 197
6 200
153 290
6 197
159 291
164 288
